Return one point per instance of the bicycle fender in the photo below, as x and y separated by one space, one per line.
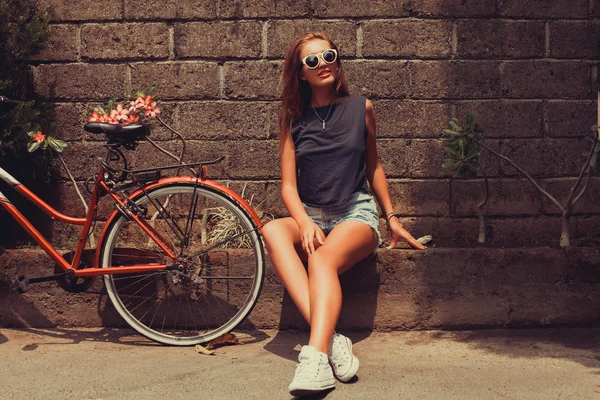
184 179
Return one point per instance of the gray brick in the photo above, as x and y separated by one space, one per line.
500 39
410 119
545 79
560 188
505 118
218 39
575 39
226 120
281 34
570 118
387 79
79 81
62 45
178 80
406 38
454 8
361 8
506 197
252 79
444 79
544 8
239 9
415 197
546 157
82 10
125 41
171 9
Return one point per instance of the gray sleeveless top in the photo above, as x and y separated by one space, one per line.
330 162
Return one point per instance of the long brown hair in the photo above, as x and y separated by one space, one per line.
296 94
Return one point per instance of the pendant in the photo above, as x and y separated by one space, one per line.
323 125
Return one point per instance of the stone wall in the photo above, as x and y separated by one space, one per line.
527 68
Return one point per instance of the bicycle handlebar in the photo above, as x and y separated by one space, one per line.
4 99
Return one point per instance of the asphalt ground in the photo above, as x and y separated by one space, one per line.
552 363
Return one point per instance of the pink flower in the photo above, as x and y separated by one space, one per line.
120 114
113 117
39 137
94 117
152 110
133 118
138 103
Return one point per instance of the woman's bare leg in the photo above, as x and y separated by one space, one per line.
348 243
282 238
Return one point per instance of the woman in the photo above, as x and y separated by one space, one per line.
328 152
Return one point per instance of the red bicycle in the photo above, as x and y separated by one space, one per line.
182 257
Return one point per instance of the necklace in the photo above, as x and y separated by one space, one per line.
320 119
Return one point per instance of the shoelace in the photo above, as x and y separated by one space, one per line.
338 358
308 369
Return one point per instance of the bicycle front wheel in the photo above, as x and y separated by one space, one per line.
222 265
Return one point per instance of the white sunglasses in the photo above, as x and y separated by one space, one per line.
312 60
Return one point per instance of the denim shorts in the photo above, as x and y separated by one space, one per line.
359 207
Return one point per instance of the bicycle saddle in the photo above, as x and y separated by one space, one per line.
122 133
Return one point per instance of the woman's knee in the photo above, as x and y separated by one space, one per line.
323 259
273 230
278 233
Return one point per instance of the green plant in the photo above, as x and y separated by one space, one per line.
463 155
464 151
23 33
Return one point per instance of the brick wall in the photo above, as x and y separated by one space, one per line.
526 67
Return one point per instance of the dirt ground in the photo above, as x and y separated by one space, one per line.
560 363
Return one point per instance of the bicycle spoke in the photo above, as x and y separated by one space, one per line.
222 270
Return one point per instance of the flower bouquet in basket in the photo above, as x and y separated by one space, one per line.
142 108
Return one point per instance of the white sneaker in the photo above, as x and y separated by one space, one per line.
313 375
344 363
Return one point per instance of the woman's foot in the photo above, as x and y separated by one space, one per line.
344 363
313 374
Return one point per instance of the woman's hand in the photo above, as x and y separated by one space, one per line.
309 231
397 232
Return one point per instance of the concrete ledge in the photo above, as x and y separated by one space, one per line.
447 288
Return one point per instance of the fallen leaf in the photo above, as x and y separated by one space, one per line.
228 339
203 350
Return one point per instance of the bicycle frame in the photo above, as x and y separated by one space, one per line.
93 269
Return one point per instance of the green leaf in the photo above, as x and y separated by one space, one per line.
57 144
32 133
452 151
470 118
150 90
454 124
33 146
111 104
450 132
450 164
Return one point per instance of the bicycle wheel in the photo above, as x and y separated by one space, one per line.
222 261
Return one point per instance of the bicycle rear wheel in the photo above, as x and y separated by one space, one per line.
222 262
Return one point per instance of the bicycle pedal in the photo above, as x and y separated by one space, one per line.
20 283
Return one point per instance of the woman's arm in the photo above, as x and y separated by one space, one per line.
289 189
378 182
291 199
